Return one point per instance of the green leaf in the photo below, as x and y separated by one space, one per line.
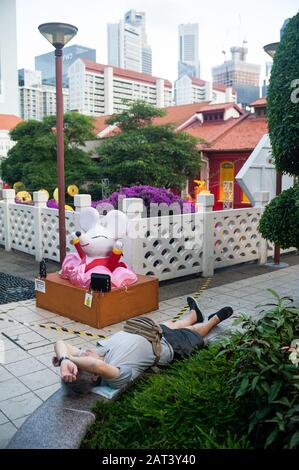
295 440
271 438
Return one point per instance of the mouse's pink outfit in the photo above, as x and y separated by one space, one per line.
78 271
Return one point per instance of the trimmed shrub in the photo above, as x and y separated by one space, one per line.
280 220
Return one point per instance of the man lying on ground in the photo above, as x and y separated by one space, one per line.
122 357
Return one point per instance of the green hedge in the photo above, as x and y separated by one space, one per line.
283 114
240 394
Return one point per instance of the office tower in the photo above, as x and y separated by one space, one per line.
9 96
241 75
188 51
138 18
125 46
46 62
97 89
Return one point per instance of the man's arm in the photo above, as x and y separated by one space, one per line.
68 369
96 366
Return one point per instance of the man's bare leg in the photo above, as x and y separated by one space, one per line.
190 323
204 328
189 320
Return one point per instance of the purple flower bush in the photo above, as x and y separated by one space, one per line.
52 204
152 196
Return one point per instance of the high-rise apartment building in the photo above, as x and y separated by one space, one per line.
138 18
38 100
97 89
9 97
240 74
125 46
46 62
188 90
188 63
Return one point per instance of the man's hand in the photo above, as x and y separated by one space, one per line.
68 371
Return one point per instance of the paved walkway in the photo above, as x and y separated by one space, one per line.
27 378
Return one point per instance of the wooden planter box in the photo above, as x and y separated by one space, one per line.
62 297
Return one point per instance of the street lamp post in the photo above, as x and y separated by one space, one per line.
59 34
270 49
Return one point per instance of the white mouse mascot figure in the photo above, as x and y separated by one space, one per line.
99 249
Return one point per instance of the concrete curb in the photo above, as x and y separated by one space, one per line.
61 422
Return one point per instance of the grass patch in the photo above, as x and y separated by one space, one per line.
241 393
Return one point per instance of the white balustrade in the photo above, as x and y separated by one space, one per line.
168 246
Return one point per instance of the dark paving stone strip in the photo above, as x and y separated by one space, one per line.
15 289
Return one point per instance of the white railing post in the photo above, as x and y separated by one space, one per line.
40 199
8 198
133 208
261 199
205 204
81 201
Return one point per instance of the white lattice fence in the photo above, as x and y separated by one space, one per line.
22 228
2 234
236 237
50 232
167 247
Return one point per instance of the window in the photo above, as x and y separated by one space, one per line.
226 175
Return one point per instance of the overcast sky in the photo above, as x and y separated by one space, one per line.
221 25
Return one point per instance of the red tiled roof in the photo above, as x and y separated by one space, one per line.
198 81
242 133
124 73
99 123
262 102
176 115
9 121
220 107
221 87
244 136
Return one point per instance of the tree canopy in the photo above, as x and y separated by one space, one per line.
33 159
283 101
147 153
280 221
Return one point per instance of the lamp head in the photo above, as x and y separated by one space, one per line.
270 49
58 34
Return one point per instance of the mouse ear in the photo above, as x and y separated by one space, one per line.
116 223
89 217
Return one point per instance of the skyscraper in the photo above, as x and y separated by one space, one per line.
188 51
138 18
241 75
124 46
46 62
9 93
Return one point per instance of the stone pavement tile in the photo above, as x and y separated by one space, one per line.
7 431
41 350
18 422
28 338
4 374
52 335
15 355
45 392
8 344
12 388
3 418
40 379
20 406
9 328
26 316
25 367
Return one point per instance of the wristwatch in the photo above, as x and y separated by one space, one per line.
63 358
